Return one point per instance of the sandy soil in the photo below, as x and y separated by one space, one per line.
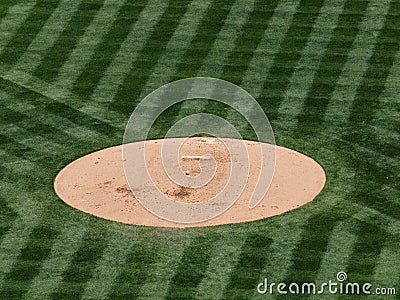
96 183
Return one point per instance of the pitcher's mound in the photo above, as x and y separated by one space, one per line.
96 183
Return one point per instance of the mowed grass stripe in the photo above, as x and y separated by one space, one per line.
27 31
386 273
16 112
285 61
16 239
107 49
58 54
163 269
57 102
310 119
366 101
384 121
282 252
82 266
224 256
187 30
336 258
250 37
193 58
191 269
122 62
6 6
367 249
155 45
205 36
108 267
78 133
29 260
227 38
245 275
14 19
135 271
263 56
62 251
223 45
48 35
339 107
311 248
87 44
305 71
258 68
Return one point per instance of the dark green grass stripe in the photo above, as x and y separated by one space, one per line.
316 102
7 214
29 261
238 60
144 65
81 267
105 52
14 148
246 273
60 51
49 106
248 41
135 272
191 269
366 254
27 32
5 5
312 247
206 35
194 57
366 103
288 56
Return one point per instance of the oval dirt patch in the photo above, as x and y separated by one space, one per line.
96 184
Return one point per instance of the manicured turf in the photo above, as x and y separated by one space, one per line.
327 73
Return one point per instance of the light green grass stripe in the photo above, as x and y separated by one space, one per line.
50 91
17 237
389 224
162 271
270 44
14 241
108 267
338 110
304 73
222 47
177 46
127 53
48 35
226 39
224 257
40 144
50 274
16 16
266 51
336 258
390 95
87 44
387 271
285 238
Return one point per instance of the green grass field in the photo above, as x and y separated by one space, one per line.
327 74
